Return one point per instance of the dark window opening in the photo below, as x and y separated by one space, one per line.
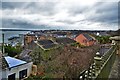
23 74
11 77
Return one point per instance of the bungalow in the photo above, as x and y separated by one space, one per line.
12 68
85 39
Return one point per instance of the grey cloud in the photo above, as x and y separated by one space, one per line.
106 7
13 5
106 12
74 10
12 23
19 24
66 21
44 8
0 5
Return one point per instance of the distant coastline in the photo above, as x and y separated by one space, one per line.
14 30
50 30
10 33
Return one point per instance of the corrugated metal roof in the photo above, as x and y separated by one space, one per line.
12 62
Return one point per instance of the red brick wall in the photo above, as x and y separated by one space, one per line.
90 43
28 39
83 41
80 39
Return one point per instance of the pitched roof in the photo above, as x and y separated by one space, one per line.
65 40
45 42
25 52
60 33
88 37
30 34
24 55
49 46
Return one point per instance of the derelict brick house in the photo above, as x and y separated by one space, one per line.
12 68
85 39
28 38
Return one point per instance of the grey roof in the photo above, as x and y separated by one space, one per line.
25 52
88 37
13 37
24 55
49 46
65 40
30 34
45 42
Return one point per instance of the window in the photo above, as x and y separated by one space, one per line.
23 74
11 77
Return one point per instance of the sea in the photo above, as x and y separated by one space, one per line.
9 33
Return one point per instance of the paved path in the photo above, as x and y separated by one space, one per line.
114 71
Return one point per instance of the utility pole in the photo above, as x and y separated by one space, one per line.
3 51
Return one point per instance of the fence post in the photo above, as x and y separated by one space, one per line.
86 75
98 63
93 69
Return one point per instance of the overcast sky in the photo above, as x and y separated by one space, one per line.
60 14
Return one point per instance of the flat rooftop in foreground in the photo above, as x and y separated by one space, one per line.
12 62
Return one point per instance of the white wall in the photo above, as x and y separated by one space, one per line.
17 69
0 73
